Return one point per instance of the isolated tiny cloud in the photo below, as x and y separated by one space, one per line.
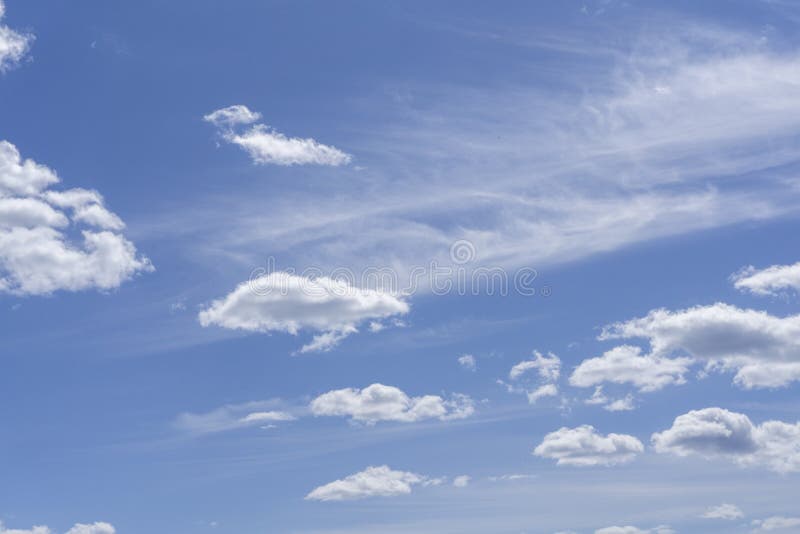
39 251
772 281
763 350
284 302
267 146
461 481
719 433
13 45
78 528
724 511
584 446
386 403
380 481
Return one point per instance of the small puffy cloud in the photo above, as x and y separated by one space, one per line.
467 361
13 45
386 403
620 405
626 364
53 240
547 367
233 416
776 523
546 390
284 302
719 433
723 511
267 146
584 446
773 280
763 350
380 481
461 481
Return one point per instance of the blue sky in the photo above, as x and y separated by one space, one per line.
195 200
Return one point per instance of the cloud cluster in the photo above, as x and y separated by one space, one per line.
386 403
763 350
13 45
380 481
57 240
773 280
267 146
719 433
547 369
584 446
78 528
284 302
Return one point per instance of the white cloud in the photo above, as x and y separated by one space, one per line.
467 361
378 481
773 280
762 349
39 252
715 432
13 45
723 511
548 367
386 403
620 405
234 416
461 481
583 446
267 146
634 530
777 522
626 364
78 528
284 302
94 528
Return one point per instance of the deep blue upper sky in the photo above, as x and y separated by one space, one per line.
636 156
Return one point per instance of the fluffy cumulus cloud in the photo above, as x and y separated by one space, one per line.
267 146
234 416
761 349
719 433
386 403
724 511
626 365
773 280
777 523
284 302
13 45
380 481
584 446
57 240
79 528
